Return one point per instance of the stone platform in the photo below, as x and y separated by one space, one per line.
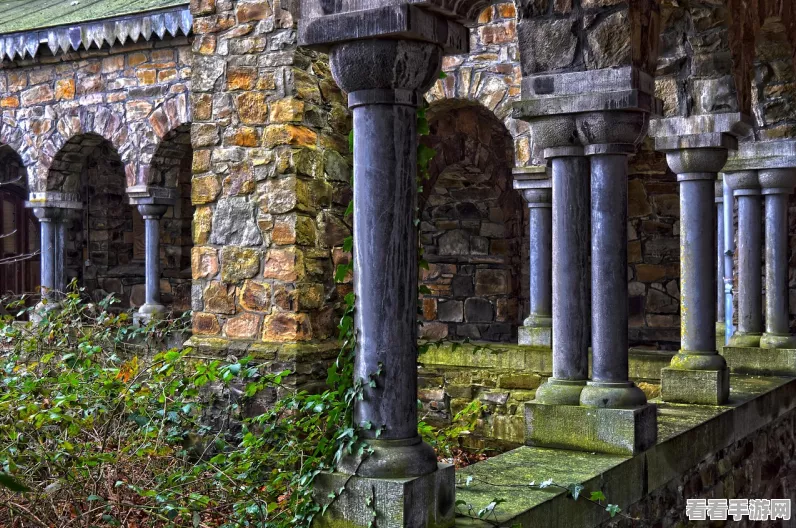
763 361
701 451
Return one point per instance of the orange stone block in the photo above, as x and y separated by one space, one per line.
205 324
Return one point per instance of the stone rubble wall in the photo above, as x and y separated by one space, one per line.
270 182
760 466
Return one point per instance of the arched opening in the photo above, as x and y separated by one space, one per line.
471 231
774 85
171 168
100 243
19 233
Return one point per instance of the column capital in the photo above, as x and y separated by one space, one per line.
743 183
152 211
151 195
53 200
756 155
777 181
569 110
535 185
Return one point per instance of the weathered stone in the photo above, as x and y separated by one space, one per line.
219 298
205 324
491 282
477 310
64 89
282 264
287 110
234 223
204 262
252 108
239 263
450 311
204 189
551 44
298 136
284 326
207 69
255 296
244 326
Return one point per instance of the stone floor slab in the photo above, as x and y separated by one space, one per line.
698 387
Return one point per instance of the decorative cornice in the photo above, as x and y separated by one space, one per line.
63 39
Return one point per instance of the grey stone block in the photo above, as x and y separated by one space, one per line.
427 501
700 387
613 431
535 336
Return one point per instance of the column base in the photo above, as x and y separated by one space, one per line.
536 331
721 329
612 395
744 339
428 501
761 361
560 392
147 312
777 341
613 431
699 387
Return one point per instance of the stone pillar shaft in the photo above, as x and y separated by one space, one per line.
750 316
48 244
719 199
385 260
609 268
697 269
541 259
152 213
777 186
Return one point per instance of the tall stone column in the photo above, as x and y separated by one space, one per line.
719 199
777 186
48 221
152 203
54 210
152 215
570 276
611 138
746 189
697 373
535 186
587 149
385 79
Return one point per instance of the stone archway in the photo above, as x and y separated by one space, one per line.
471 231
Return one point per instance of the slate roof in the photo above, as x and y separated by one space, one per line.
25 15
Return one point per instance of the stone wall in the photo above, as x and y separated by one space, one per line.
471 231
92 123
270 181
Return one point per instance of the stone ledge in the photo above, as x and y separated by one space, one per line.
644 364
761 361
687 436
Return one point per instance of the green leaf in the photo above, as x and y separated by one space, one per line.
596 496
575 490
7 481
613 509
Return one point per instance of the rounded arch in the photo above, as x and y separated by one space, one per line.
166 124
472 228
70 129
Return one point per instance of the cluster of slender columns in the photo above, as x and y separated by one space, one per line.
55 211
762 237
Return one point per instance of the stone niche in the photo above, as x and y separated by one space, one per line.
471 230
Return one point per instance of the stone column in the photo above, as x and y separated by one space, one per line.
535 186
152 202
614 136
570 276
152 215
746 189
719 199
385 79
697 373
48 221
54 210
777 186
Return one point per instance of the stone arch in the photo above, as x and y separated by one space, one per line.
167 121
472 228
490 74
774 84
71 128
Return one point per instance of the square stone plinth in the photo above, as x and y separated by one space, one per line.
613 431
698 387
427 501
535 336
761 361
